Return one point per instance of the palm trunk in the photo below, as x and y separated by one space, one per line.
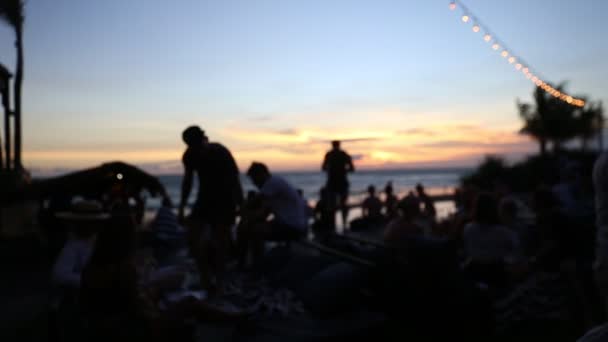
7 137
18 84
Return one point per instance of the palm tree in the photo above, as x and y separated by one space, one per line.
13 13
549 120
591 124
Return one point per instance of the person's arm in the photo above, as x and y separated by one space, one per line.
324 165
186 189
350 167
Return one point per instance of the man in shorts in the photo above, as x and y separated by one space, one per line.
337 164
219 197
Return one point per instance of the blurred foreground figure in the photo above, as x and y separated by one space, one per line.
600 182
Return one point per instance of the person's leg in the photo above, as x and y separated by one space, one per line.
343 202
199 246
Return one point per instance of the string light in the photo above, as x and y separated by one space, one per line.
512 58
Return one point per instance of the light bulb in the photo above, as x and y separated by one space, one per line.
495 46
518 66
476 28
525 70
504 53
465 18
452 5
511 60
487 37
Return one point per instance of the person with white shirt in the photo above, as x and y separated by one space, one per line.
290 219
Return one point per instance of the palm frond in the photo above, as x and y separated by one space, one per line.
12 12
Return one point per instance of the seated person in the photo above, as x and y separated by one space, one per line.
390 202
324 213
287 207
403 226
487 244
113 299
429 206
84 221
508 213
371 212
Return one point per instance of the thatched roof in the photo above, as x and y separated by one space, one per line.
98 180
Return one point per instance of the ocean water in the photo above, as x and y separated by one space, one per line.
436 181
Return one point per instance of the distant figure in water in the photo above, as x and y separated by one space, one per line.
337 164
371 212
219 196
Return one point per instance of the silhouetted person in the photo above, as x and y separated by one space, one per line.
117 302
403 226
85 219
600 182
390 201
290 220
325 213
219 196
371 212
429 206
488 244
337 164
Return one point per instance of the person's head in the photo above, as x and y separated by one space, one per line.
388 189
335 144
258 173
409 207
116 242
371 190
419 189
194 136
507 210
486 209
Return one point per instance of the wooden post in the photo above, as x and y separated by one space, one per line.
7 130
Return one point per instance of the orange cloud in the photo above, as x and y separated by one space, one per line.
292 148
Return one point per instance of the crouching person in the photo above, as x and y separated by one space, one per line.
281 200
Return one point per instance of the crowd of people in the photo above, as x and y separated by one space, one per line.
530 256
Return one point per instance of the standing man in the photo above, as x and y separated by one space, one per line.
600 182
337 164
219 197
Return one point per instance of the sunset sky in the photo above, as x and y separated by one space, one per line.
403 83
